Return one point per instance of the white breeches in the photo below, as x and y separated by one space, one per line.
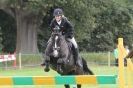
73 42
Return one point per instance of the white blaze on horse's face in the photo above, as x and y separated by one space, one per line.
55 52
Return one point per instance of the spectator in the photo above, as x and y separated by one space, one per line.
127 49
115 53
127 52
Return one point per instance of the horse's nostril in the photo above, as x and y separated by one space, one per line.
58 48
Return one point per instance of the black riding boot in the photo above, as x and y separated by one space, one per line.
76 57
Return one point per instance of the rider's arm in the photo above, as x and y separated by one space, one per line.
70 30
52 24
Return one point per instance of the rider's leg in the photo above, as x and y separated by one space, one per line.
76 51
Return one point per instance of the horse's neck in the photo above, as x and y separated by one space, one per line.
64 43
64 46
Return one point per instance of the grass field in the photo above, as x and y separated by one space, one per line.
38 71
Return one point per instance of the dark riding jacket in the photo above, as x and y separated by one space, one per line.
65 27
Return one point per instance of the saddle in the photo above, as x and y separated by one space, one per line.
70 46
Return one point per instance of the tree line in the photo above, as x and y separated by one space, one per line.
97 23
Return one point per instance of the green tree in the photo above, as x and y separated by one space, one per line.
8 29
28 15
97 23
111 24
1 46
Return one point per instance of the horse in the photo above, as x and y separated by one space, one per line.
59 56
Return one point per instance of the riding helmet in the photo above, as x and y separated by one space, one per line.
58 12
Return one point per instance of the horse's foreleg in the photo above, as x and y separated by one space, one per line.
67 86
47 62
59 63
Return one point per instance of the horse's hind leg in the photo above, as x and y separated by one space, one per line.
47 62
67 86
59 63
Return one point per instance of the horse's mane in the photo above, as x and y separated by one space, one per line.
64 49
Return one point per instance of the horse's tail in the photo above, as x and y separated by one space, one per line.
85 67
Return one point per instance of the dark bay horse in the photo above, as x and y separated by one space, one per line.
59 56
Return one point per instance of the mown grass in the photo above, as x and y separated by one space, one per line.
98 70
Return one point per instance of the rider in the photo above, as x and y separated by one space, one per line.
67 30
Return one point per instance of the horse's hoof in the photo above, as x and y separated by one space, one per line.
46 69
